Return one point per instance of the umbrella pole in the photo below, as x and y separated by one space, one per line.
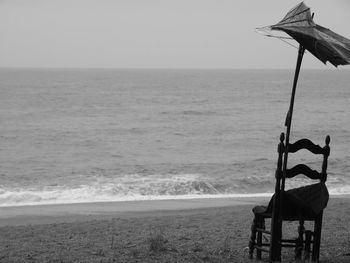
288 122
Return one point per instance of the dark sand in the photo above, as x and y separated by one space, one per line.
199 230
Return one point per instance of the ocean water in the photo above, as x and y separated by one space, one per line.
112 135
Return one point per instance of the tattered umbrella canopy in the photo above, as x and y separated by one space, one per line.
321 42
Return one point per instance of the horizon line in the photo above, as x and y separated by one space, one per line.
165 68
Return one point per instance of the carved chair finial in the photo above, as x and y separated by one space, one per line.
328 140
282 137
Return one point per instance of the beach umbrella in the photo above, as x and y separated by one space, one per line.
323 43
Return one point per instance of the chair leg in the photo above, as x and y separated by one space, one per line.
260 224
308 235
252 237
317 238
276 240
300 241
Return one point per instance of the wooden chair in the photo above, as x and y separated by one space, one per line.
299 204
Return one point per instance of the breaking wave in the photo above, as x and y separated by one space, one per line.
154 187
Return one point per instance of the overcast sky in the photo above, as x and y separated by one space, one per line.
154 33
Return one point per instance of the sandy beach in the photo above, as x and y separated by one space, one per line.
198 230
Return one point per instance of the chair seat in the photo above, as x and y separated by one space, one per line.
305 203
262 210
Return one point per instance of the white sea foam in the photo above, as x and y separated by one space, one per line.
130 187
340 190
28 198
46 198
125 188
133 189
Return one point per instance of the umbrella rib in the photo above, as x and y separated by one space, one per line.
265 31
292 22
305 10
270 35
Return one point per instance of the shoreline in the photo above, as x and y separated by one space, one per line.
78 212
60 213
140 198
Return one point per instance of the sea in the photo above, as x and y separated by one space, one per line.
93 135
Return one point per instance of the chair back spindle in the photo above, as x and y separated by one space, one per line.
326 150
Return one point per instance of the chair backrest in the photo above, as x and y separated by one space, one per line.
303 168
282 172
